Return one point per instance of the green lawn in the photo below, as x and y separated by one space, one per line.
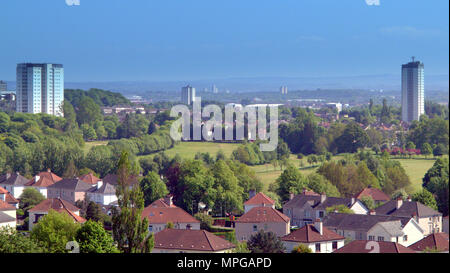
416 169
89 145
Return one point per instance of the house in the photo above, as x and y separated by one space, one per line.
315 236
261 218
427 218
8 198
166 202
102 193
190 241
90 179
445 224
158 217
8 214
113 180
42 181
435 241
372 227
7 221
57 204
258 200
305 209
69 189
14 183
360 246
377 195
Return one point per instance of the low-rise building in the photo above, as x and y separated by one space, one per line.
305 209
102 193
315 236
8 214
13 183
7 197
361 246
69 189
261 218
377 195
42 181
258 200
90 179
56 204
158 218
190 241
434 242
427 218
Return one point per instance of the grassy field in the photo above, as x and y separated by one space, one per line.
416 169
89 145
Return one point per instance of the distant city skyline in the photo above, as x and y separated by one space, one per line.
141 40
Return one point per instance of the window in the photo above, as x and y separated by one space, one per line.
255 228
320 214
405 238
371 238
150 228
318 247
380 238
334 245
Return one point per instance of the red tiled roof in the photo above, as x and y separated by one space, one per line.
385 247
376 194
160 203
45 179
263 215
55 204
437 241
163 215
309 234
3 191
5 206
188 239
259 198
9 198
89 178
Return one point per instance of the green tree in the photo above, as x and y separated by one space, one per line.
301 248
88 111
426 149
339 209
130 230
88 132
93 238
241 247
206 221
29 198
290 181
368 202
11 241
265 242
54 231
153 188
425 197
93 211
319 184
352 139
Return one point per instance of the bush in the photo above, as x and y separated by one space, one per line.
206 221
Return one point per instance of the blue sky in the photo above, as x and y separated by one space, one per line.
158 40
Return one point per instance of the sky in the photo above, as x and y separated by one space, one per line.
161 40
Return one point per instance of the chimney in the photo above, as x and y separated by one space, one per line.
319 226
372 212
168 200
291 196
399 202
99 184
323 197
304 191
353 201
251 194
8 175
409 198
36 178
49 171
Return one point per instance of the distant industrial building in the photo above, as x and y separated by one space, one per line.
412 91
3 86
187 95
284 90
40 88
214 89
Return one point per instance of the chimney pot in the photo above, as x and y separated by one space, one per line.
168 200
319 226
399 202
372 212
48 170
291 196
409 199
323 197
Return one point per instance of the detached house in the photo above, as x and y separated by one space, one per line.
403 230
305 209
102 193
315 236
8 198
42 181
7 214
56 204
428 219
14 183
71 190
90 179
258 200
190 241
377 195
435 241
370 247
159 216
261 218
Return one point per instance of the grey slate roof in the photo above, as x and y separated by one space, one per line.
362 222
74 184
314 201
13 179
5 218
407 209
106 188
393 227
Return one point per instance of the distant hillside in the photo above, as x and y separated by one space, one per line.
101 97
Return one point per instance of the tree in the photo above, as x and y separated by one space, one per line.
301 248
92 238
11 241
265 242
206 221
426 198
151 128
153 188
290 181
241 247
339 209
352 139
88 111
368 202
71 170
29 198
88 132
426 149
54 231
130 230
93 211
318 183
220 155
